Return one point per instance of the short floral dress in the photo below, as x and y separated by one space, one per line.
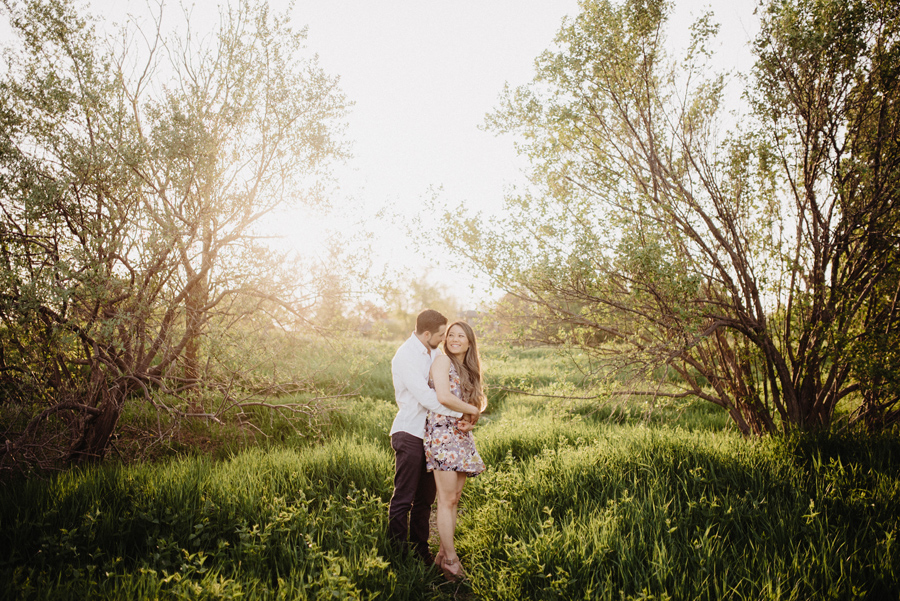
447 448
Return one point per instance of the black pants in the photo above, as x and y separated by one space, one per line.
414 493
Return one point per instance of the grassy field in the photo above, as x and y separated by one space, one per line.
579 501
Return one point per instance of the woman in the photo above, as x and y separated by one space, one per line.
449 450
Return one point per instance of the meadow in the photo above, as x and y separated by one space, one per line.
581 500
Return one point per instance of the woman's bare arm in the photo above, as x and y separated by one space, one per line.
440 375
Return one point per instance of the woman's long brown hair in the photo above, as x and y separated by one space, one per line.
469 369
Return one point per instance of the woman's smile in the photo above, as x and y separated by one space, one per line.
457 342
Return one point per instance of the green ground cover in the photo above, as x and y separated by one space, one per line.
577 503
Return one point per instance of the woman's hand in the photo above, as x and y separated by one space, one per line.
467 421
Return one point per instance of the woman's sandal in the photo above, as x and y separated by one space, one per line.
452 569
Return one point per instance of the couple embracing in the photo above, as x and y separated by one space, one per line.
440 398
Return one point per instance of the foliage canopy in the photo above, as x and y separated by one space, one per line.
133 172
757 270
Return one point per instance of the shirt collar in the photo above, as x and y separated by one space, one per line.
423 348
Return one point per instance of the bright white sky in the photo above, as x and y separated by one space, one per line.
423 74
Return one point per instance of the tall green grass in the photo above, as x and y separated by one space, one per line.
638 512
578 502
279 524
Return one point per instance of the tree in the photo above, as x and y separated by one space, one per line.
827 92
129 205
744 270
240 130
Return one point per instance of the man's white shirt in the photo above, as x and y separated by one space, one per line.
409 369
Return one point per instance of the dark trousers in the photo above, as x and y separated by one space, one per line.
414 493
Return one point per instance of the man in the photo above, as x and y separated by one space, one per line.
414 489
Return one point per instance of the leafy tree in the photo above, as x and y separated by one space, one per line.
129 201
828 88
747 270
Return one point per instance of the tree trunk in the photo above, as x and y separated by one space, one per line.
97 432
193 318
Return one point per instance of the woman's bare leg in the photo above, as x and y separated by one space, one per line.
449 487
460 482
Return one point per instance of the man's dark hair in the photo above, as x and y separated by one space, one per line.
429 320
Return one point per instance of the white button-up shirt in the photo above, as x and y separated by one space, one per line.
409 368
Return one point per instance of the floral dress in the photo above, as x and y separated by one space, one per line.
447 448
